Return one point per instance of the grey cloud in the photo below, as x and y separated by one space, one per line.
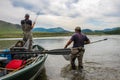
18 3
31 7
110 8
45 7
113 14
73 16
70 2
95 22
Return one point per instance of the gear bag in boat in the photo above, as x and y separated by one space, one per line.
15 64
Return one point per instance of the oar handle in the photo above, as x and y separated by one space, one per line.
98 41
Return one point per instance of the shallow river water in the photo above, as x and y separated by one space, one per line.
101 60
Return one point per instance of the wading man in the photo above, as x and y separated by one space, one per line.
78 39
27 26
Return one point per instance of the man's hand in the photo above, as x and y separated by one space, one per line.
33 25
65 46
86 42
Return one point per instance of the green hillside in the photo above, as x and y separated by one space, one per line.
6 28
9 30
115 31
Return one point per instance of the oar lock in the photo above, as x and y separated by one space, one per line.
44 51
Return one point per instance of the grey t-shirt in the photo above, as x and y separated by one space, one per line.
78 39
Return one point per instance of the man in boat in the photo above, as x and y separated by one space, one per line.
78 39
27 26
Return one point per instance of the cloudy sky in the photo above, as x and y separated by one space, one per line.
92 14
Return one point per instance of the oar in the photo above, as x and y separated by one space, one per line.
67 51
98 41
52 52
67 57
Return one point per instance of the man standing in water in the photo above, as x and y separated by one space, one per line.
78 39
27 26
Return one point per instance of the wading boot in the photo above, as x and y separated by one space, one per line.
80 69
73 67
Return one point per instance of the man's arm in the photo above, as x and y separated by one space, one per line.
87 41
31 24
68 43
22 22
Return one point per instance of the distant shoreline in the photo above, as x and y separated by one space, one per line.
44 34
35 34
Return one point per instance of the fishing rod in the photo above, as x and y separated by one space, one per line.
37 14
62 51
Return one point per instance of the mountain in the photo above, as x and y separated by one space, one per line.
87 30
115 30
110 29
6 27
58 29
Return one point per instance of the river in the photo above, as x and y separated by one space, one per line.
101 60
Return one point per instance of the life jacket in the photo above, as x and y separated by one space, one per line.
15 64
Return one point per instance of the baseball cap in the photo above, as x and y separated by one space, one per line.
27 15
78 28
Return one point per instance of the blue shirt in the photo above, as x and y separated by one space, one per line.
78 39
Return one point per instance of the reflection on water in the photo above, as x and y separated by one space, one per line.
101 60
